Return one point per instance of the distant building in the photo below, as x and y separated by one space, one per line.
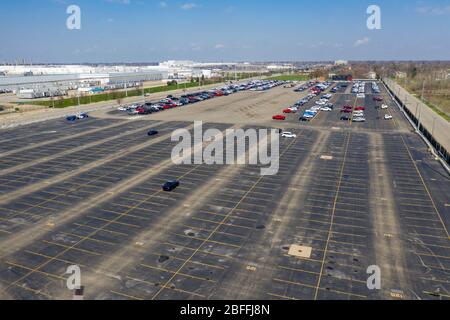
372 75
342 77
400 74
341 63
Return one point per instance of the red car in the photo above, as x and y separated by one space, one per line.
360 108
346 111
378 99
347 107
287 111
169 106
279 117
219 93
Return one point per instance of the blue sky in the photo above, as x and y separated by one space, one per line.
226 30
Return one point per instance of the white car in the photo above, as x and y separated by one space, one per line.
388 117
122 108
359 119
384 106
361 96
288 135
326 109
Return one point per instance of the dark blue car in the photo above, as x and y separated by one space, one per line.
171 185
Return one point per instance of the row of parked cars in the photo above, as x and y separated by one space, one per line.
357 113
375 88
306 86
312 112
359 88
80 116
321 105
171 101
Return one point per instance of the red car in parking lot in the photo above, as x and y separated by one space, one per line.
378 99
346 111
287 111
279 117
360 108
169 106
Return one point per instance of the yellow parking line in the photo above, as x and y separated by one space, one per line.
126 295
212 241
332 216
221 223
282 297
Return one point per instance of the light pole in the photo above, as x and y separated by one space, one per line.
423 90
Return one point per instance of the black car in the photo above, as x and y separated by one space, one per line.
153 133
346 118
171 185
71 118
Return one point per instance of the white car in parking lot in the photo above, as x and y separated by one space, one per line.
325 109
359 119
384 106
288 135
361 96
388 117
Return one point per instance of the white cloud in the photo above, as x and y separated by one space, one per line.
361 42
219 46
163 4
433 11
188 6
119 1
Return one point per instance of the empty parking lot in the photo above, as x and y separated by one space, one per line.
347 196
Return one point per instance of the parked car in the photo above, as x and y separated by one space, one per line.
152 133
288 135
279 117
170 185
71 118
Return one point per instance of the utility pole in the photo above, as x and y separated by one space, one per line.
423 90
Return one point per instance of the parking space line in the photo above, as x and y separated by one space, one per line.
54 276
425 186
60 260
126 295
219 232
333 215
103 230
173 272
280 296
222 222
310 286
206 240
70 248
201 251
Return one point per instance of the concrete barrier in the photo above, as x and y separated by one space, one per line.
434 128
